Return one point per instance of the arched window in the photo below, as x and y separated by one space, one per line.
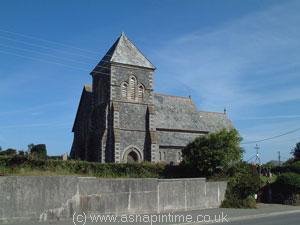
124 87
164 156
141 92
132 86
160 156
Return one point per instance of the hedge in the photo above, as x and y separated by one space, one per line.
19 164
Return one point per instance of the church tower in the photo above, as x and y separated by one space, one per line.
122 117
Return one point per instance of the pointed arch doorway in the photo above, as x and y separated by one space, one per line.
132 155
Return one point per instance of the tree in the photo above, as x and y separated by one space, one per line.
296 151
30 146
39 151
9 152
209 154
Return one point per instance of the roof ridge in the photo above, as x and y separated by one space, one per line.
173 96
132 42
201 111
124 51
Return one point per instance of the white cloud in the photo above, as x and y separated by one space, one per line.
246 65
242 63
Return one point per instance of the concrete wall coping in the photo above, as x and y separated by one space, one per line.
182 179
120 178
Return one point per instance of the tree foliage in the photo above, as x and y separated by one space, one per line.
29 147
296 151
9 152
38 151
243 184
209 154
289 182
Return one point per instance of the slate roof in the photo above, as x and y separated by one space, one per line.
180 113
125 52
215 121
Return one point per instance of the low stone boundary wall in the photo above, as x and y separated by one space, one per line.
53 198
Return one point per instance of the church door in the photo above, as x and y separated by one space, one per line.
132 155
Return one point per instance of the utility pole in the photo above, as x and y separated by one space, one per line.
257 160
279 158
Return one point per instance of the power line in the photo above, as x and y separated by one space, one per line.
251 158
43 53
53 56
270 138
49 41
42 60
45 47
63 64
50 55
51 48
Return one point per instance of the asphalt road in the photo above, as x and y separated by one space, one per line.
263 215
290 219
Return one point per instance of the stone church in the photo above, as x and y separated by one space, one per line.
121 119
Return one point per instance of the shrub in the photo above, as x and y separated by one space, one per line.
291 166
209 154
295 167
17 163
242 187
290 182
234 202
9 152
286 188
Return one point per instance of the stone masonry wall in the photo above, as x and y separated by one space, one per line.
57 198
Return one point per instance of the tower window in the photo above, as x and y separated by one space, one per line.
132 86
132 90
124 88
141 92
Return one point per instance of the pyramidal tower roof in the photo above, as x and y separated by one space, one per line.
123 51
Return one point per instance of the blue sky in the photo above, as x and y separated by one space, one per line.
242 55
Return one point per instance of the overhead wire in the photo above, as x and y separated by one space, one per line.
271 138
59 58
45 47
46 40
54 49
75 61
42 53
65 65
51 55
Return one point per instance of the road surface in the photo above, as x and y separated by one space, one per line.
290 219
264 215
